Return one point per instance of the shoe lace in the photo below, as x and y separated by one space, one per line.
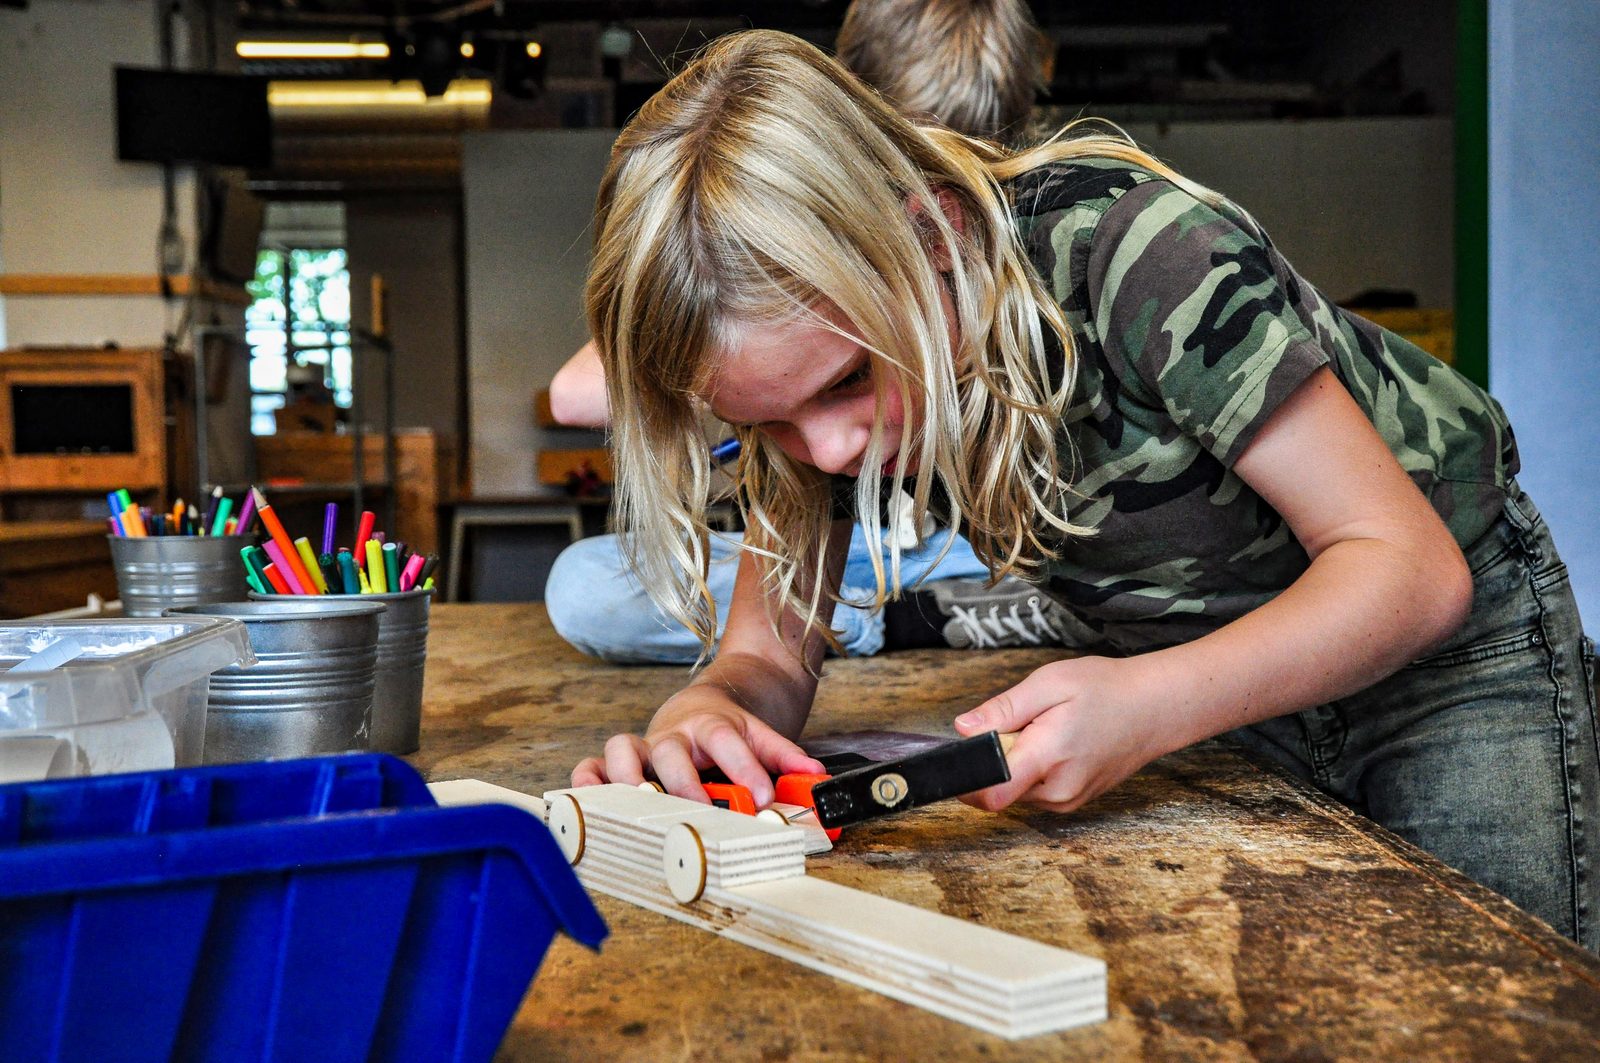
1013 620
972 624
1041 619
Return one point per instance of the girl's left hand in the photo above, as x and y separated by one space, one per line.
1083 727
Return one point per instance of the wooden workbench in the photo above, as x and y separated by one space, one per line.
1240 915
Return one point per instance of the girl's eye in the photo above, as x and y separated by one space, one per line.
862 374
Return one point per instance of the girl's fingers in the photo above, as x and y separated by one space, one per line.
625 759
1011 710
591 772
1029 762
675 770
780 755
732 753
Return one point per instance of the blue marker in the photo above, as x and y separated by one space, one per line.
725 451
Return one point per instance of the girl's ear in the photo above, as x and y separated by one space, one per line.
950 206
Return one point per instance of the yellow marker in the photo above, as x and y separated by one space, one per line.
361 574
375 573
302 546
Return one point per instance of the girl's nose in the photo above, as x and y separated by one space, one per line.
832 444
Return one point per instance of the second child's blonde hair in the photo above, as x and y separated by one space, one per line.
758 186
974 65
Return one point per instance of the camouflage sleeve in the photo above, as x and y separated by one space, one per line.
1185 299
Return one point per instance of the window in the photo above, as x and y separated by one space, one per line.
299 315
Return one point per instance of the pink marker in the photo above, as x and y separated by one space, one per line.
408 578
285 569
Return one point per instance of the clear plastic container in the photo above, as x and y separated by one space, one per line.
132 699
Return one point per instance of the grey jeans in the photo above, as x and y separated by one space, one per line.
1484 753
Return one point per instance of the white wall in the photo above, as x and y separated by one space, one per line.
1544 262
528 202
66 204
1354 203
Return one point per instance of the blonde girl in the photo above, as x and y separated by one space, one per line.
1282 523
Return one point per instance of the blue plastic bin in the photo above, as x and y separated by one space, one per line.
321 909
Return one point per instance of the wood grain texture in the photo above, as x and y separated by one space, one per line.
120 284
1240 915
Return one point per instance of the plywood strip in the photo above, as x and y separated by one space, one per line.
972 974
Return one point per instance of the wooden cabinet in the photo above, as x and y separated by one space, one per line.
423 464
82 420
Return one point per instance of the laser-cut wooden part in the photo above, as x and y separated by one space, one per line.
753 889
817 840
683 863
477 792
565 821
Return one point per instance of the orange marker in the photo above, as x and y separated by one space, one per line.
274 528
132 522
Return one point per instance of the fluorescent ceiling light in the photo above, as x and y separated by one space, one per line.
312 50
461 93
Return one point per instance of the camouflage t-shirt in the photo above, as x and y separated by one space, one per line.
1191 329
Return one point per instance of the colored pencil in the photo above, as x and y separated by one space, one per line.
247 509
330 517
211 509
274 526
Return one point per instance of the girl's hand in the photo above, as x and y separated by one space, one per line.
696 729
1083 727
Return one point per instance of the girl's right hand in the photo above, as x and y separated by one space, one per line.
698 728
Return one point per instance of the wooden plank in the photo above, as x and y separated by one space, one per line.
120 284
637 845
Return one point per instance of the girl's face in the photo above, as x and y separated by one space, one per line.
810 389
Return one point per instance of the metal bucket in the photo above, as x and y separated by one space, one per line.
311 688
160 572
402 656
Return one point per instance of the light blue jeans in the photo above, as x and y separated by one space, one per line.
596 604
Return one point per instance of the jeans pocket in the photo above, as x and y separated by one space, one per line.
1482 651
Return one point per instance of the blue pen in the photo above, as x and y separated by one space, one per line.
725 451
112 501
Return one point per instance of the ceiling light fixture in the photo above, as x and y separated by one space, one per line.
293 94
312 50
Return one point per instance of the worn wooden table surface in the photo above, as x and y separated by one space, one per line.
1240 916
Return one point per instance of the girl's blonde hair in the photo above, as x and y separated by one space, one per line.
762 183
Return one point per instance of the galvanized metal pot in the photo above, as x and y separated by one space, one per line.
311 689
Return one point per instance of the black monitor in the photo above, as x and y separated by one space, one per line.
183 117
